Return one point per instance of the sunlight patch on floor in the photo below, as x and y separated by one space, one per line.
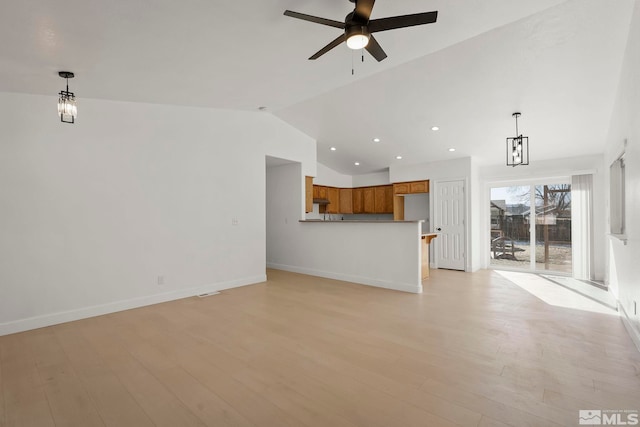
554 294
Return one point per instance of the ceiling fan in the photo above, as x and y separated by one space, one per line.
359 29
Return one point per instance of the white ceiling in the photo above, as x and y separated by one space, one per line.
556 61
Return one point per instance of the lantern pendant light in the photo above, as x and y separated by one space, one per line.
517 148
67 108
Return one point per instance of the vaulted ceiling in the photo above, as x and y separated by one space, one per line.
558 62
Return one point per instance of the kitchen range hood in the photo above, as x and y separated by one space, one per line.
321 201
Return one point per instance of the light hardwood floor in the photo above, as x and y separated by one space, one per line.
472 350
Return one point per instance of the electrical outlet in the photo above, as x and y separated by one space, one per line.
160 280
234 221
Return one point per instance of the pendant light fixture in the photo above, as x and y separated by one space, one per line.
517 148
67 108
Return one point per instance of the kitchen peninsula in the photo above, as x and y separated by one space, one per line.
387 246
368 248
371 246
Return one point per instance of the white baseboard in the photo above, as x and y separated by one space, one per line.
369 281
634 333
98 310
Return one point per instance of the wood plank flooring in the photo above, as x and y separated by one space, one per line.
472 350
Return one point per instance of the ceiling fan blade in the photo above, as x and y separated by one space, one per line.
374 48
384 24
328 47
317 20
364 8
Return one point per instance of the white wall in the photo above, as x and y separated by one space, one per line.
477 227
377 254
544 170
450 169
623 265
329 177
416 207
92 213
442 171
371 179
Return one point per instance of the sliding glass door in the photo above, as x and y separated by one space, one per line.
510 229
553 228
537 238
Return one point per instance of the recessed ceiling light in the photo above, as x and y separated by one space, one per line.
376 139
357 163
435 128
452 149
398 157
332 148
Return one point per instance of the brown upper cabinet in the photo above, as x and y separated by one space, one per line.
358 202
333 194
308 194
401 188
413 187
419 187
383 199
388 199
378 199
346 200
398 208
319 192
368 200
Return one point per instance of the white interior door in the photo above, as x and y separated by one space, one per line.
449 215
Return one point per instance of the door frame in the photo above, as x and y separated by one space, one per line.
433 200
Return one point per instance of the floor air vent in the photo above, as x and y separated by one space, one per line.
208 294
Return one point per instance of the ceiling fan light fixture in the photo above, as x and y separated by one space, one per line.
358 41
357 37
358 27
